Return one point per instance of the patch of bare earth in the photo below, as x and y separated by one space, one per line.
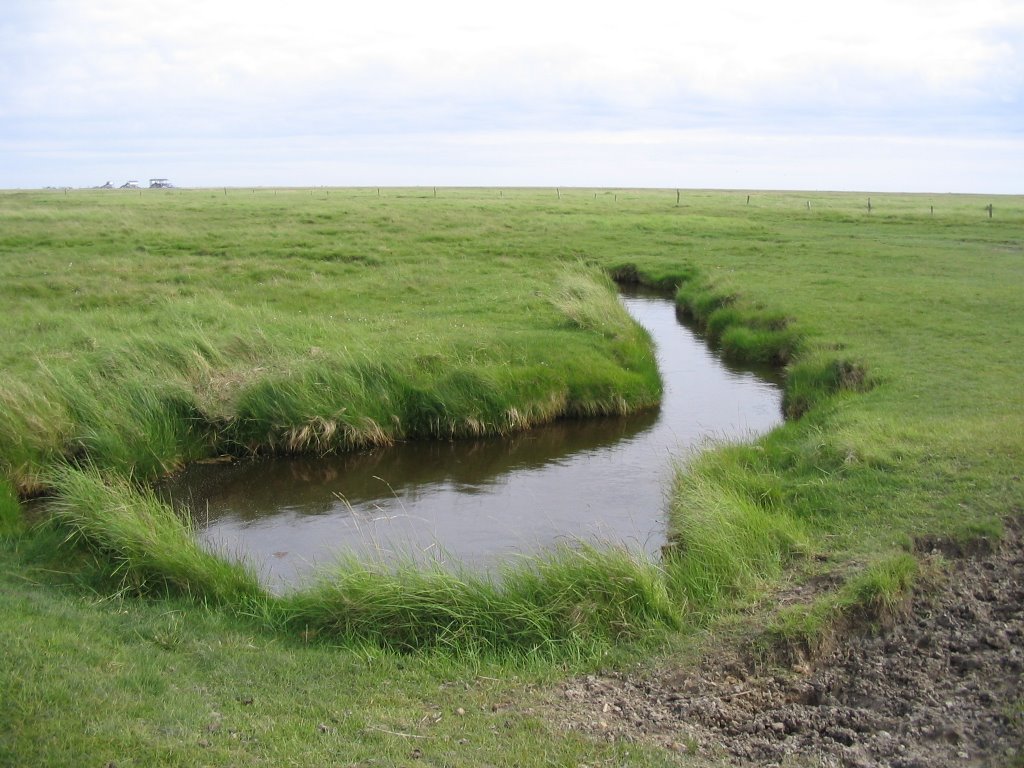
940 687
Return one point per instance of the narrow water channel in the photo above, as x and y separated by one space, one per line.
482 502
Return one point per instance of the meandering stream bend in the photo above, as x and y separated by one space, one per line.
479 503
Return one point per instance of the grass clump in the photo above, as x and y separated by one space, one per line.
568 605
134 425
874 596
589 302
11 522
809 382
881 591
141 542
727 533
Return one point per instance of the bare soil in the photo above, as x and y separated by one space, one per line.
941 686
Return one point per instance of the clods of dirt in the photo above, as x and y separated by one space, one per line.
941 687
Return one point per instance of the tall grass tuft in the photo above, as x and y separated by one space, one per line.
810 381
565 605
728 531
881 591
11 521
143 542
589 301
607 593
33 428
134 425
874 596
124 408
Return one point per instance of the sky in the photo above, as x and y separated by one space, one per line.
873 95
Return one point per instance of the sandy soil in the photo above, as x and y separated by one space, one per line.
941 686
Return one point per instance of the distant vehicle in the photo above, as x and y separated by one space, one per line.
160 184
132 184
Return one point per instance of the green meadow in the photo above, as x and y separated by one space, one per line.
146 330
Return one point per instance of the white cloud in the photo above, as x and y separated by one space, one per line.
730 48
119 70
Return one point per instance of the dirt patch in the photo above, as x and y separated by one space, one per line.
941 687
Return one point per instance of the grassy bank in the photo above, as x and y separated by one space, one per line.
146 330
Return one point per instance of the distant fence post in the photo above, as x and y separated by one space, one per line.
558 193
808 205
677 197
748 199
989 209
869 205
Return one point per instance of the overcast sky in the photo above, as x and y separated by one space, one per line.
877 95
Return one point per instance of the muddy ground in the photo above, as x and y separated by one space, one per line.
941 686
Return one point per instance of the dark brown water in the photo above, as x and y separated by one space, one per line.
483 502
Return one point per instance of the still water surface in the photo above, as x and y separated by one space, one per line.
480 503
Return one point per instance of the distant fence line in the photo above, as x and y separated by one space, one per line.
826 203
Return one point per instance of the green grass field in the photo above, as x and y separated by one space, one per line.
145 330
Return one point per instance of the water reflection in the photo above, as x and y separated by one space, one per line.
478 502
314 486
